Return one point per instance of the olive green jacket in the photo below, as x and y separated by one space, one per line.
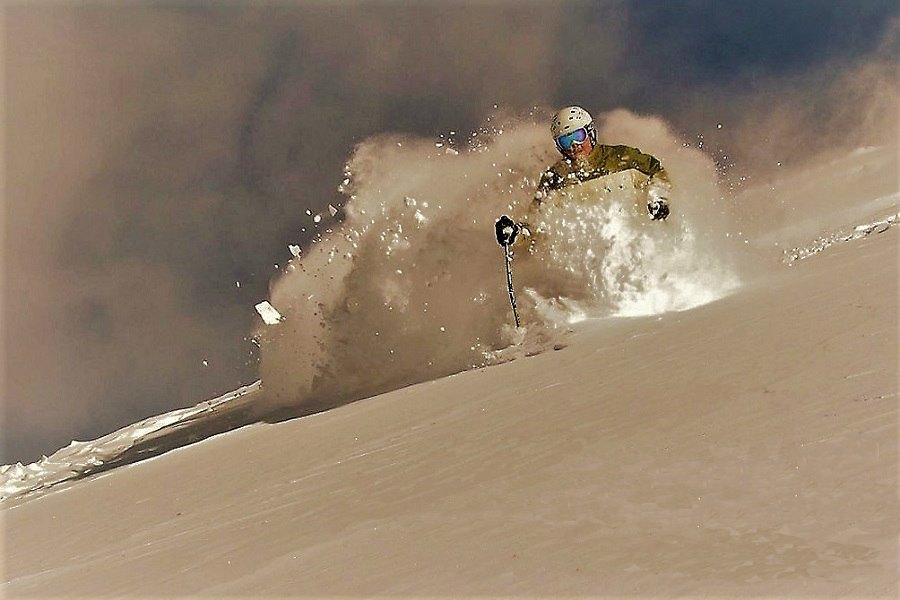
603 160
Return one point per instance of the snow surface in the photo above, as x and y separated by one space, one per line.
80 459
599 256
744 448
691 409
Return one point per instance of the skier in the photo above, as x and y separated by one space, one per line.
584 159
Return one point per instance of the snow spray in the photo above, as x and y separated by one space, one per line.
406 288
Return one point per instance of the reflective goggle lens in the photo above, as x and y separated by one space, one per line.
575 137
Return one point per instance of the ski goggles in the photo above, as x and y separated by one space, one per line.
568 140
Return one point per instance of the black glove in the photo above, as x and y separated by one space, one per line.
506 230
658 209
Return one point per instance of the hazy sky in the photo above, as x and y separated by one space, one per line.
157 154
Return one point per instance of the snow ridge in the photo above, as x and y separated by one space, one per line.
823 242
141 440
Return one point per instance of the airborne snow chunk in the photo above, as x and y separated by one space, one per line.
268 313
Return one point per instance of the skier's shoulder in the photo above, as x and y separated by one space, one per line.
618 150
619 157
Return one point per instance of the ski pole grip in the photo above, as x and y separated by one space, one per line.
506 230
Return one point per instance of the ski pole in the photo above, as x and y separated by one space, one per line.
506 230
509 284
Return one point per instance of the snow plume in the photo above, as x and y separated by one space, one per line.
411 285
598 247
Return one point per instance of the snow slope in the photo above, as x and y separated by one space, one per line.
748 446
408 287
745 446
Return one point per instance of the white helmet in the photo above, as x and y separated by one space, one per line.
569 119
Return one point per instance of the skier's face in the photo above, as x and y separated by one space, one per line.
579 149
575 144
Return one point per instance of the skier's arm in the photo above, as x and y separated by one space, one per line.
649 165
658 183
